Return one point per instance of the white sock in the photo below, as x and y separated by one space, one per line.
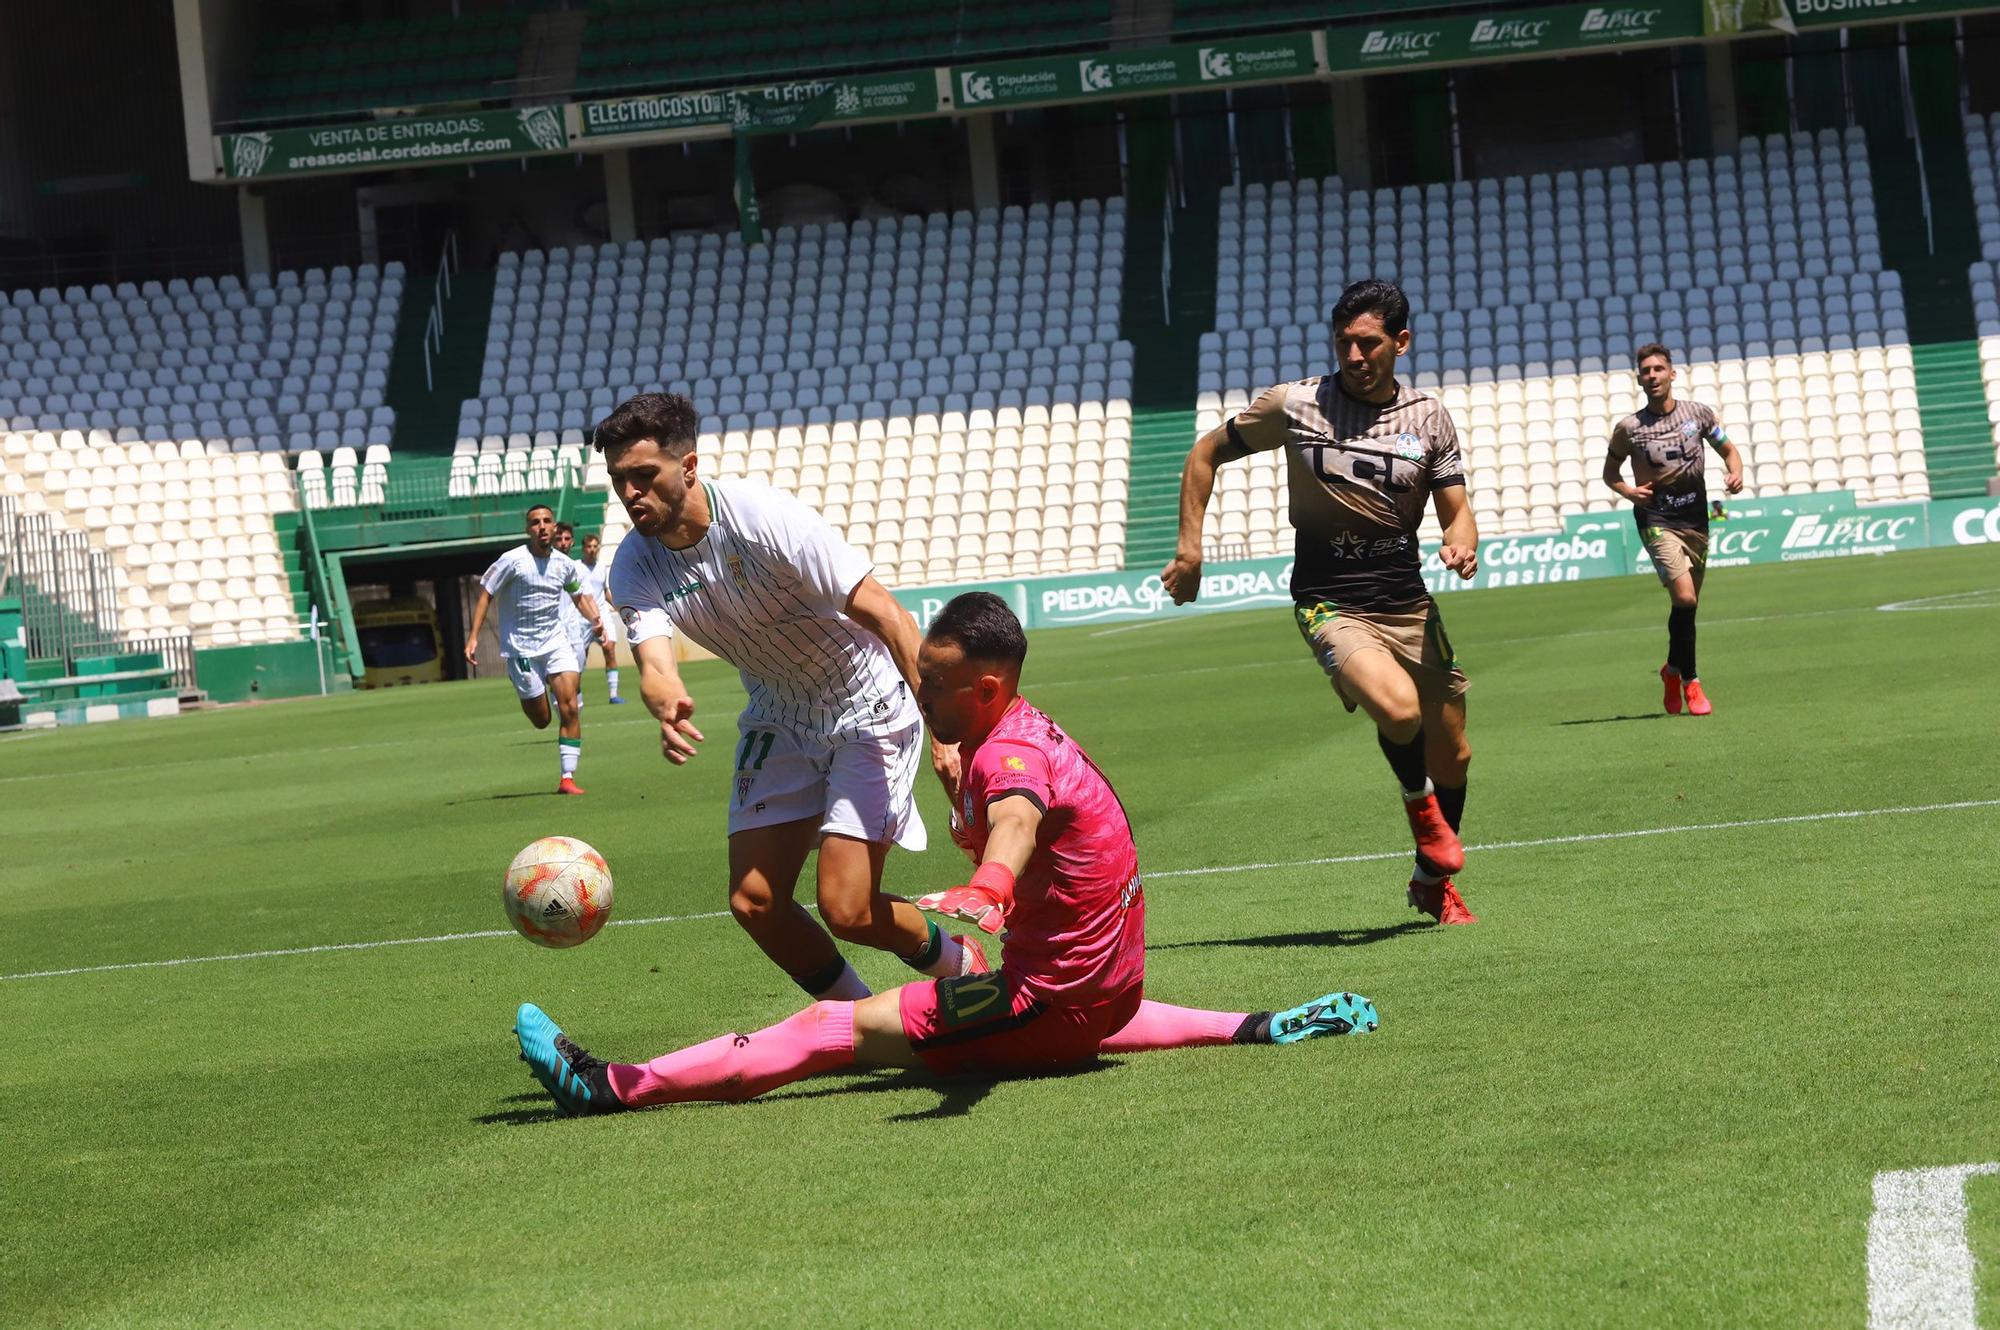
1411 796
569 755
950 961
1418 874
611 682
847 988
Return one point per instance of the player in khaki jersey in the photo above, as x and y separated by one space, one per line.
1364 453
1670 503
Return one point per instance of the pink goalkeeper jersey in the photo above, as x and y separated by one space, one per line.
1077 933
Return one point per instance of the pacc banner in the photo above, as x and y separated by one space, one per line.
409 141
1133 72
1601 547
1557 30
772 108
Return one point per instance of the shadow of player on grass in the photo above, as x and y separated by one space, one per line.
1613 720
957 1095
1327 937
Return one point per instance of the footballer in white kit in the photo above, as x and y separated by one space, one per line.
583 632
533 584
829 745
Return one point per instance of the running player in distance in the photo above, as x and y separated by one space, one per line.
533 583
1056 864
829 744
1364 452
1665 442
593 545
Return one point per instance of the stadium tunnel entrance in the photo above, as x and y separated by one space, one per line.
409 607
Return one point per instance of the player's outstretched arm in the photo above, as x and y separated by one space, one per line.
1732 459
479 608
871 606
1614 464
1013 822
1460 552
667 698
1182 575
586 605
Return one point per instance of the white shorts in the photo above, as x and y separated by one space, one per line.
581 642
863 787
531 674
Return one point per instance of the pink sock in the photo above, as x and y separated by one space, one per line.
1157 1025
742 1066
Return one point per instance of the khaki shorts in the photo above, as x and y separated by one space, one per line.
1676 552
1416 640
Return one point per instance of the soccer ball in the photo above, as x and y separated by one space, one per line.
558 892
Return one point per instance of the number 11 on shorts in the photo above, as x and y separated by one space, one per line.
750 744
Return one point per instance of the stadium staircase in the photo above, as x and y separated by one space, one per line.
1164 327
427 416
1932 249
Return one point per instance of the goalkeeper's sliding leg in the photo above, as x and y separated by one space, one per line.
978 1024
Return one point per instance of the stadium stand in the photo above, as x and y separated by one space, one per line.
1529 299
158 419
341 69
1982 150
641 44
949 390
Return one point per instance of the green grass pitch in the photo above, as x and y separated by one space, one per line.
1651 1087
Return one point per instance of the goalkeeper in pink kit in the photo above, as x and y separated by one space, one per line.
1056 866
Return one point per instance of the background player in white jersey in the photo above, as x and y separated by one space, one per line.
592 546
1664 441
829 745
582 631
533 582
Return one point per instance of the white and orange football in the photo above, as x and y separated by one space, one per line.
558 892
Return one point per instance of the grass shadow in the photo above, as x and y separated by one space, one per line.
514 794
1327 937
957 1095
1614 720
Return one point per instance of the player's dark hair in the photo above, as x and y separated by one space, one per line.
668 419
1385 300
534 508
564 526
1648 351
982 626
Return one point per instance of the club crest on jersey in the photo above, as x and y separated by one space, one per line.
1408 447
1014 764
1689 430
736 573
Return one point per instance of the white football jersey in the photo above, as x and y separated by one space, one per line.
573 620
531 593
764 589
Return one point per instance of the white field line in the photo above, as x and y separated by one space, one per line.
1586 838
1919 1263
1216 871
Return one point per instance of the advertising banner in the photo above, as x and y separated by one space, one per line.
1133 72
1600 546
1557 30
407 141
771 108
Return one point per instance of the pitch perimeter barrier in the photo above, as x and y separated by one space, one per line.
1831 528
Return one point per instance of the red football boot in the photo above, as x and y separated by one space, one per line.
569 786
1441 901
1672 700
1697 700
1436 841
